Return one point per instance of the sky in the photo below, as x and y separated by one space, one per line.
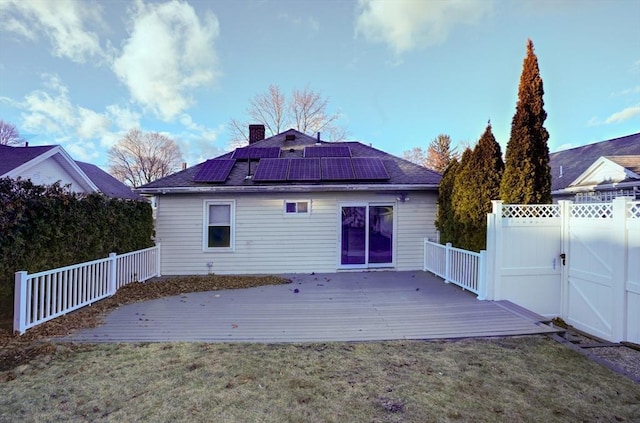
398 72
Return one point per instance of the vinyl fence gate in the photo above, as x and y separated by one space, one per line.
580 262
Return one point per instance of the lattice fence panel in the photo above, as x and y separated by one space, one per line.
592 211
531 210
634 211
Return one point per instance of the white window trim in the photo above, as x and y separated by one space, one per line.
205 225
298 214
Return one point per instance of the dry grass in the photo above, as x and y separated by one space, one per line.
494 380
489 380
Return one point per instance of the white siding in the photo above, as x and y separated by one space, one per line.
269 242
48 172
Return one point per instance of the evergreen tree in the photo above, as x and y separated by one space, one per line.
488 168
527 176
463 199
445 221
439 153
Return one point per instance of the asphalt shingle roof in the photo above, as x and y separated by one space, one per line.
401 172
13 157
576 160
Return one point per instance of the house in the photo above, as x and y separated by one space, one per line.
294 203
597 172
48 164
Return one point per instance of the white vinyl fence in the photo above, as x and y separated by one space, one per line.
43 296
580 262
460 267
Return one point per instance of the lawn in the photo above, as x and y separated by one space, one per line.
527 379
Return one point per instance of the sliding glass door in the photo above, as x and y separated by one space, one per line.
367 235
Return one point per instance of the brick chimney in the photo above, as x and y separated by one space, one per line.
256 133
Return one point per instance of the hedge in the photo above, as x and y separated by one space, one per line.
47 226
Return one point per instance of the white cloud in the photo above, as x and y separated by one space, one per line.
170 52
623 115
408 24
63 22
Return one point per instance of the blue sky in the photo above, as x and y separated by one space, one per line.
400 72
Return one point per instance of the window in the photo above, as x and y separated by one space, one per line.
219 225
297 207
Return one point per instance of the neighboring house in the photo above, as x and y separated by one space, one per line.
45 165
292 203
597 172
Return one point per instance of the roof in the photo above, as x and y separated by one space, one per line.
291 143
13 158
628 162
568 165
106 183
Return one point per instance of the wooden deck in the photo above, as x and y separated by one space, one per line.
362 306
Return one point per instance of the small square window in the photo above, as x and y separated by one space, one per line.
296 207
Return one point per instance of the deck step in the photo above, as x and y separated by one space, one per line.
521 311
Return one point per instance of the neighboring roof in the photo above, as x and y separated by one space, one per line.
12 157
13 160
628 162
106 183
575 161
402 173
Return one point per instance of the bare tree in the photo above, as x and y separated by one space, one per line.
304 110
440 153
416 155
9 134
142 157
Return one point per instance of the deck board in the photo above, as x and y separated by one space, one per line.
359 306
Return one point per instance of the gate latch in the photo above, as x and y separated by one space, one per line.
563 256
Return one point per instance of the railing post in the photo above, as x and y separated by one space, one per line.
482 275
112 273
158 259
447 262
20 302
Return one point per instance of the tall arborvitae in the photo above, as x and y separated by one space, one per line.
462 198
527 177
489 167
445 221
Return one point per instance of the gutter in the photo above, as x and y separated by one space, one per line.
283 188
596 187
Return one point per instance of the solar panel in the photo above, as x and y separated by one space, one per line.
336 168
272 170
214 170
328 151
304 170
252 153
369 168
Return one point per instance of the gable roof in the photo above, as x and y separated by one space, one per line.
106 183
15 160
13 157
568 165
402 173
608 171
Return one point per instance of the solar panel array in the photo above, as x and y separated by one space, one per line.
272 170
328 151
214 170
325 169
254 153
304 170
336 168
369 168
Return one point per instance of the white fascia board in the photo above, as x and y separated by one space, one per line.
284 188
596 187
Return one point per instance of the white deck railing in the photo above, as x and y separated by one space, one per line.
461 267
43 296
